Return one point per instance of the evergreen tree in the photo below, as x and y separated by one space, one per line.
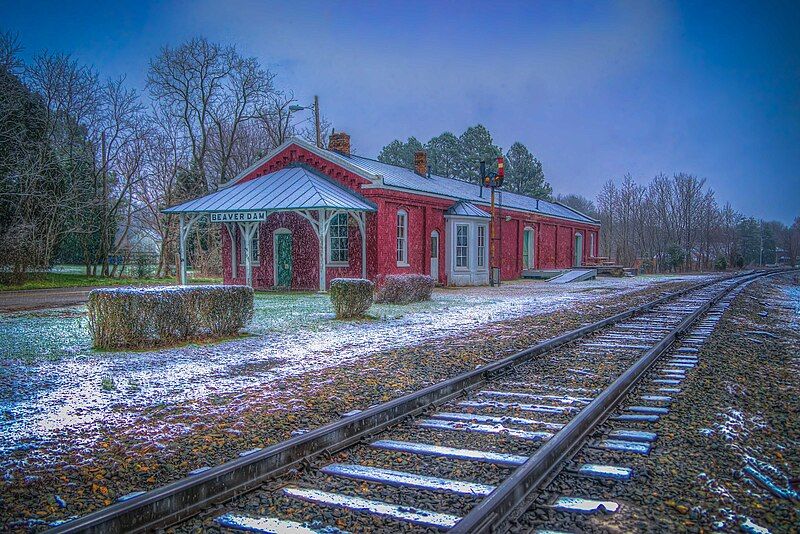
524 173
444 155
400 153
749 241
476 146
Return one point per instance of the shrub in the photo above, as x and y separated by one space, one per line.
405 288
351 297
721 263
130 317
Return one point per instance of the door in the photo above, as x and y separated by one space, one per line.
528 260
578 250
283 259
435 255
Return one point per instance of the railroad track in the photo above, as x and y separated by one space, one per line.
468 454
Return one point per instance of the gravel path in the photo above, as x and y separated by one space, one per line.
169 440
737 415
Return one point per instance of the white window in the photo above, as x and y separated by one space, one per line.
592 251
481 246
462 245
338 244
254 256
402 238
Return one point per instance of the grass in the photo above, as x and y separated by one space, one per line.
58 280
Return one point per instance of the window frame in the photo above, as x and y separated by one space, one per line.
328 240
465 247
401 242
480 235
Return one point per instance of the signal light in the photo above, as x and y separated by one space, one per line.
500 167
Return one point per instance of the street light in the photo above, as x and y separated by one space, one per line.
315 108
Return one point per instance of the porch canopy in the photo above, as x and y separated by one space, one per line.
297 188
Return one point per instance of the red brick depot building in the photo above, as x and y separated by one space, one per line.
303 215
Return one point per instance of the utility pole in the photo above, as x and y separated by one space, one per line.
761 244
317 122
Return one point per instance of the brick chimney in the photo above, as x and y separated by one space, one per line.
421 163
340 142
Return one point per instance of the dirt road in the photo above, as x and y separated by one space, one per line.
37 299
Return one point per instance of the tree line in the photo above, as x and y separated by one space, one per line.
459 157
675 223
87 164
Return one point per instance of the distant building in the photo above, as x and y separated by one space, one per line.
301 206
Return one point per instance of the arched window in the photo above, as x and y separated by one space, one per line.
402 237
578 249
338 240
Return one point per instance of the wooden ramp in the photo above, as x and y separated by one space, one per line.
574 275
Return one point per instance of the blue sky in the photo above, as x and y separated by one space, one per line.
594 89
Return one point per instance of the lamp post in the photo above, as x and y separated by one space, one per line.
315 108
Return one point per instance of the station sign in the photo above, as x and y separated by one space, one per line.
238 216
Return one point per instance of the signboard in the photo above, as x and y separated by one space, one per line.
238 216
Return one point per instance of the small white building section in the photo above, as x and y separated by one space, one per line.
467 245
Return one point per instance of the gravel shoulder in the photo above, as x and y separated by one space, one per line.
165 441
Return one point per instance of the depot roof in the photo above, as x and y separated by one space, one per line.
295 187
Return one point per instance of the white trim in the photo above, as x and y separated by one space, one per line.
532 252
328 249
456 266
478 267
275 234
403 262
257 237
321 152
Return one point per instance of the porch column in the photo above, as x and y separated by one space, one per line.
248 230
183 233
182 239
323 231
360 218
234 260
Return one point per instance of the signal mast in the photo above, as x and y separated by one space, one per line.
493 180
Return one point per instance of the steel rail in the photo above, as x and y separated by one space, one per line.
493 512
188 496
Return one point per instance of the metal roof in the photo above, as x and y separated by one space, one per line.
467 209
403 178
291 188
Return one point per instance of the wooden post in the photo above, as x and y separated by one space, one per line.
317 121
322 233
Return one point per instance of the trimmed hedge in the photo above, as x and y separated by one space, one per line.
130 317
405 288
351 297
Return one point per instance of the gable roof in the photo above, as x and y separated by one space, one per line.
291 188
467 209
393 176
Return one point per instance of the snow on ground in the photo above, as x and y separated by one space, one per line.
51 380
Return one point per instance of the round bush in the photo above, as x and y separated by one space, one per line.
351 297
405 288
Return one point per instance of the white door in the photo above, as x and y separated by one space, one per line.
435 255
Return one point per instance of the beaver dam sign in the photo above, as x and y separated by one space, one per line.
238 216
